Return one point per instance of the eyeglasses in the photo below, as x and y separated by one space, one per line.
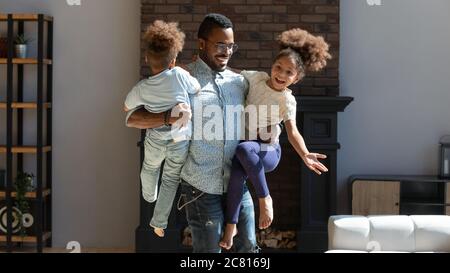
222 47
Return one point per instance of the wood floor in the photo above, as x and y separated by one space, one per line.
63 250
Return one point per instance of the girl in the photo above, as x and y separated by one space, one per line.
300 52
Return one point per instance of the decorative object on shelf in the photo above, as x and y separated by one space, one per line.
21 46
3 47
445 157
23 226
23 184
3 220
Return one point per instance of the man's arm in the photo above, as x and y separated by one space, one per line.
142 119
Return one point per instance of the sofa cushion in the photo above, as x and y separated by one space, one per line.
338 251
348 232
432 233
392 233
388 234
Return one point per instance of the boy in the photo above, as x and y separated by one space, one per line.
167 87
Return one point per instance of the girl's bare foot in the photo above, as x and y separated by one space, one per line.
227 239
159 232
265 212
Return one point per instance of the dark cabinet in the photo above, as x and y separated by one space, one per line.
400 195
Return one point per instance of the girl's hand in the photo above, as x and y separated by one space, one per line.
312 162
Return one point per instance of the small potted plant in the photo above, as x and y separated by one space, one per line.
21 46
23 184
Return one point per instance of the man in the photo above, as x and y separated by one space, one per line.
206 172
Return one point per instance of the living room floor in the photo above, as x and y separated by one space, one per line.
63 250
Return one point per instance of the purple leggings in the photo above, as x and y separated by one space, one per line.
252 160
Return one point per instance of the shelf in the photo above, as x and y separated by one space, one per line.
24 61
30 195
25 105
25 149
42 61
422 202
25 17
26 239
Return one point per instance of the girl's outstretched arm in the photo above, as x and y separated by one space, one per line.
311 159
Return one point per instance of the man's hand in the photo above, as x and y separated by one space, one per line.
184 110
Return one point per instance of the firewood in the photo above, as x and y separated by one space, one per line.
289 234
282 244
272 243
291 244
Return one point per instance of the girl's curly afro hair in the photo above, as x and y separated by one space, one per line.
163 41
313 50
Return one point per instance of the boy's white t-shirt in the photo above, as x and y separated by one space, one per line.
162 92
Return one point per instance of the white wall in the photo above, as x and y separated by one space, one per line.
95 158
395 63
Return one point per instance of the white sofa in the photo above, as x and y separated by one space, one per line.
393 233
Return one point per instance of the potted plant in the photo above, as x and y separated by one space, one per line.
23 184
21 46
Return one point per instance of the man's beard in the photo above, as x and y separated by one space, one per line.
204 56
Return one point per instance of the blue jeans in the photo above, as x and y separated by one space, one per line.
205 216
174 154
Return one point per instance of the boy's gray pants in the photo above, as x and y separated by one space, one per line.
174 154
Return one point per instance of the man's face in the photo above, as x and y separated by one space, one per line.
217 49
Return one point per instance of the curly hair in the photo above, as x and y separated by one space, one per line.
212 21
163 42
310 52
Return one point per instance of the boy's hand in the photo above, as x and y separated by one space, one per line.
312 162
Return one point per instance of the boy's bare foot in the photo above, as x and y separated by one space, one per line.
265 212
159 232
227 239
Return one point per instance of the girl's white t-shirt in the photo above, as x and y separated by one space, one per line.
270 106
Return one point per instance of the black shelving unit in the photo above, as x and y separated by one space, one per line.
40 199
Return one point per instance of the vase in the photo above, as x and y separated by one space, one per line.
21 51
